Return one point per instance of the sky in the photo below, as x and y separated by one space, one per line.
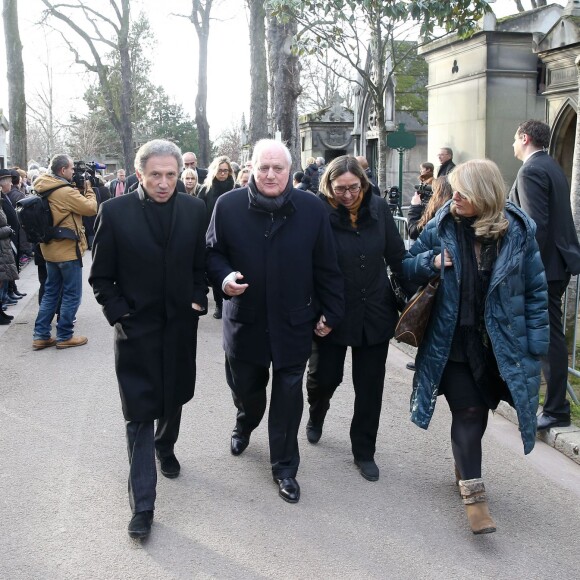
174 62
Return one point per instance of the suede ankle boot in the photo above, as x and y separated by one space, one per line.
475 501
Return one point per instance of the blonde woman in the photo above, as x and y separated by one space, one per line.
190 180
243 177
489 324
219 180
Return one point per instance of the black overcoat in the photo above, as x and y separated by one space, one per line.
363 253
135 272
288 258
542 191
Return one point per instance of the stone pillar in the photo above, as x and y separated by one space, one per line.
575 185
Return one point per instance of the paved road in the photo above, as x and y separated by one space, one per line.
64 508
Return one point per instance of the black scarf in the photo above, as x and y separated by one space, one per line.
269 204
475 279
220 187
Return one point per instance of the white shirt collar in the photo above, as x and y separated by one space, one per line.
532 153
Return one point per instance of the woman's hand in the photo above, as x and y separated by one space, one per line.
447 262
321 328
416 199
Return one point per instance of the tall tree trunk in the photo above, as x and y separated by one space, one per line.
285 74
519 6
258 73
15 75
126 90
200 12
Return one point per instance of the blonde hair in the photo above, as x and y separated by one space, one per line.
480 181
442 193
189 172
212 170
310 161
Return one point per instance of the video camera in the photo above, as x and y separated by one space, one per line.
86 171
393 197
425 192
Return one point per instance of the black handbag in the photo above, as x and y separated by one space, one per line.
415 316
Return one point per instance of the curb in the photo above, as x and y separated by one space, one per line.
566 440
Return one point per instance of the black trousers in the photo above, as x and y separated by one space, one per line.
555 365
142 445
248 383
325 373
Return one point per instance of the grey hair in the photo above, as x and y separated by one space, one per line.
157 148
263 144
320 160
449 151
59 162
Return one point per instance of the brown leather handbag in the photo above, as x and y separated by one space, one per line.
415 317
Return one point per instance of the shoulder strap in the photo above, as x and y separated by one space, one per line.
49 191
46 193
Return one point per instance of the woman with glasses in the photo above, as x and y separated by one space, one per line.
489 324
219 180
367 240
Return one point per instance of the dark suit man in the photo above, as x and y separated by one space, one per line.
148 274
190 162
542 191
445 157
271 250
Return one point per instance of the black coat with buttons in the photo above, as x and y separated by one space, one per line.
363 253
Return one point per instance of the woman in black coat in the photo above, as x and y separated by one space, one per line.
367 240
219 180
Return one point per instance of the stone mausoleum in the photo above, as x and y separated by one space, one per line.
514 69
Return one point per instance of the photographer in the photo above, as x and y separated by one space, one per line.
70 197
425 203
421 198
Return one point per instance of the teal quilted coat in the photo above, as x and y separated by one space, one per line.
516 315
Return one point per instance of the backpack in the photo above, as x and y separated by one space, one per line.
35 218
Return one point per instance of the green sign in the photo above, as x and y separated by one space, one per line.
401 139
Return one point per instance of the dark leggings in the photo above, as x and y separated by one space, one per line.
467 429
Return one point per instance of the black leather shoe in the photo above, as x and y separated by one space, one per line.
239 443
368 469
288 489
13 296
545 421
410 366
217 313
169 466
21 294
140 525
313 432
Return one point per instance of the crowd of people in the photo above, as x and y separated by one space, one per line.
298 269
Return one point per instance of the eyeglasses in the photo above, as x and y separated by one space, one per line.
223 170
341 190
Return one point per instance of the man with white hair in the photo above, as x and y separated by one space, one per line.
271 250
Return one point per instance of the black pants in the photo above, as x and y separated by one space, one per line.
218 296
248 383
555 365
325 373
141 447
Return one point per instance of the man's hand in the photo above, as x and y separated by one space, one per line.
321 328
416 199
232 288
